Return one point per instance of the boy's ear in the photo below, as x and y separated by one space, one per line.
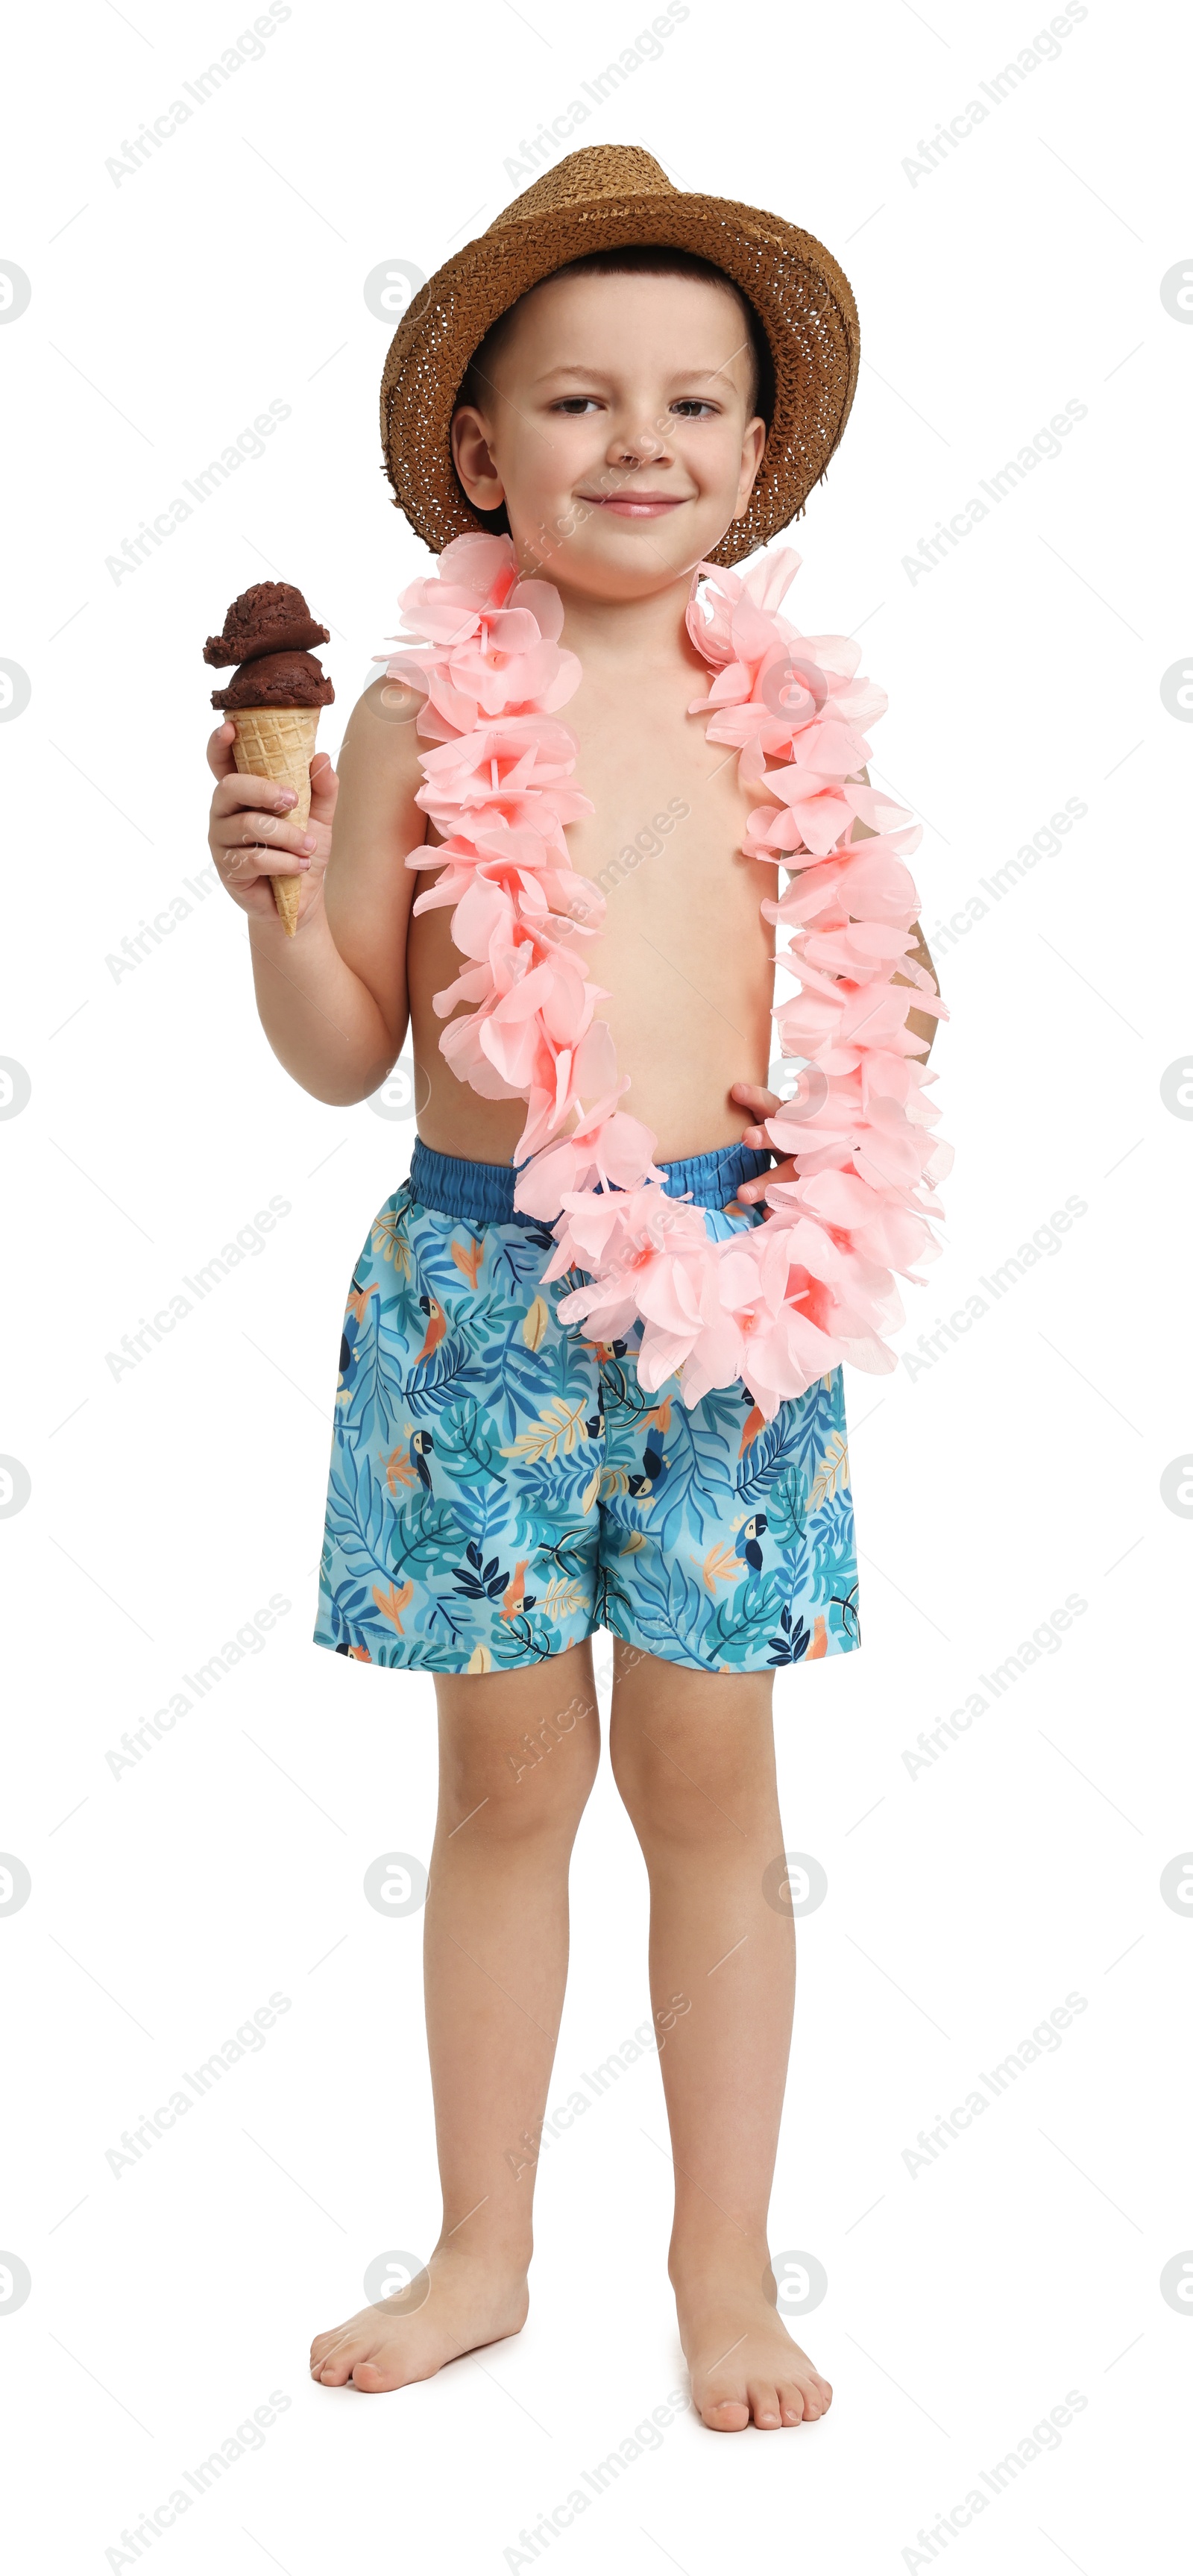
753 449
473 462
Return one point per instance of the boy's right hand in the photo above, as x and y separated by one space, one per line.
251 838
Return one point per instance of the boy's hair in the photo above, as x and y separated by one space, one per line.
644 260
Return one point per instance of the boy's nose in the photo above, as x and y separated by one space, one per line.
637 447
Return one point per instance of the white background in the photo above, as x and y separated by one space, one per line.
167 1505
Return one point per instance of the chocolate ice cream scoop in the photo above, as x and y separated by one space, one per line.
273 700
272 617
277 680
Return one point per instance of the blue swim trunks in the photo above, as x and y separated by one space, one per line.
501 1486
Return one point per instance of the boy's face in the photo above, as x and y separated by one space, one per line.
617 431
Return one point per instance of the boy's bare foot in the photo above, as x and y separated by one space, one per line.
471 2300
744 2366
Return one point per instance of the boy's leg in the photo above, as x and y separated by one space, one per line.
693 1756
518 1753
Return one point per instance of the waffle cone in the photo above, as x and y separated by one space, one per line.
278 742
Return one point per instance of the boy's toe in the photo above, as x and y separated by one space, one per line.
792 2404
764 2405
725 2414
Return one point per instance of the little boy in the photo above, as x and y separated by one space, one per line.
614 385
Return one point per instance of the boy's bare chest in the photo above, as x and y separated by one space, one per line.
682 958
669 808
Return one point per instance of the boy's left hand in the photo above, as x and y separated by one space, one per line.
762 1104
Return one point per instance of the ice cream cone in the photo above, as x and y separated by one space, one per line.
278 742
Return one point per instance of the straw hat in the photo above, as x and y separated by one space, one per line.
600 199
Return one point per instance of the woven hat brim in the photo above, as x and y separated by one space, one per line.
801 296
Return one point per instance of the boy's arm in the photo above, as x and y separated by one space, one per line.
766 1104
332 1000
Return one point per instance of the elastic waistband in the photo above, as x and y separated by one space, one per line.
483 1193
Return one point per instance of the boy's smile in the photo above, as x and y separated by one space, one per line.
630 505
618 431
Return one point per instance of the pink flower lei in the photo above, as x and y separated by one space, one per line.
778 1304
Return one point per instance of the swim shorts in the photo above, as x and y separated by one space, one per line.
501 1485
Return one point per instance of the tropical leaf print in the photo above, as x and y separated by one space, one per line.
792 1642
399 1470
721 1565
537 1323
443 1377
393 1602
829 1547
785 1508
775 1448
481 1579
463 1446
389 1241
814 1419
552 1490
468 1258
562 1598
356 1516
368 1402
559 1427
665 1612
832 1473
499 1486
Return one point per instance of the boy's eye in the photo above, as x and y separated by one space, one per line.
688 407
